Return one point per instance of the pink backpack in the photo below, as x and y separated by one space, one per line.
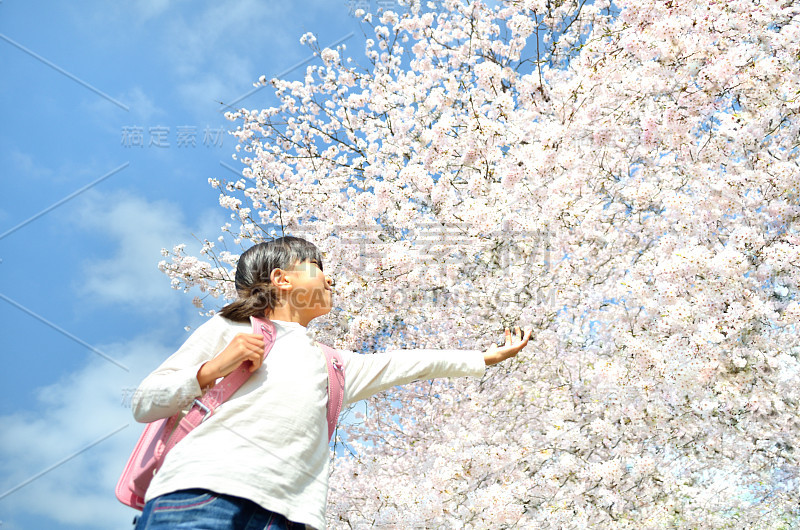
162 435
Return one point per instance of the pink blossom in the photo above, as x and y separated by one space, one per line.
631 190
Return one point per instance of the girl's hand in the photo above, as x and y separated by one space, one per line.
243 348
514 343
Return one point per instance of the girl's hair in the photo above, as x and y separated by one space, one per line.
253 285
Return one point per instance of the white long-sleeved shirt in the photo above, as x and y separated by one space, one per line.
269 442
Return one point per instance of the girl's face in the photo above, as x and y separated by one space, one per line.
311 289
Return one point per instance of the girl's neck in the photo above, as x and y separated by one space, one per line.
286 313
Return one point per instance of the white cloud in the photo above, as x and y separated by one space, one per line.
84 406
219 52
22 167
25 167
143 110
142 107
205 90
151 8
139 229
126 272
111 119
79 409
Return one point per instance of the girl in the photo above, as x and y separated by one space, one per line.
261 460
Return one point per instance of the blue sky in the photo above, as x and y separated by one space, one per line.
111 128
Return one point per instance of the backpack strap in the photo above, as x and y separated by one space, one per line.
335 386
204 406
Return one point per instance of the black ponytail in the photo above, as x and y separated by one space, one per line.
257 295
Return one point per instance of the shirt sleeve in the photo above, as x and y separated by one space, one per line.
173 385
366 375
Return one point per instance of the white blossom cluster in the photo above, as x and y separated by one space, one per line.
622 176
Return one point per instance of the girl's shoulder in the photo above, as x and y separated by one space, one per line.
219 324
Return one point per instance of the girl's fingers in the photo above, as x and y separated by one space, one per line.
517 336
520 336
256 358
254 344
513 344
255 364
256 340
256 352
244 347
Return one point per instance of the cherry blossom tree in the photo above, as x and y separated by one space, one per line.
622 177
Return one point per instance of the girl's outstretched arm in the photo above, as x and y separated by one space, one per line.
369 374
514 343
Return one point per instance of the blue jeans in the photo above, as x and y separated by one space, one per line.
198 509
